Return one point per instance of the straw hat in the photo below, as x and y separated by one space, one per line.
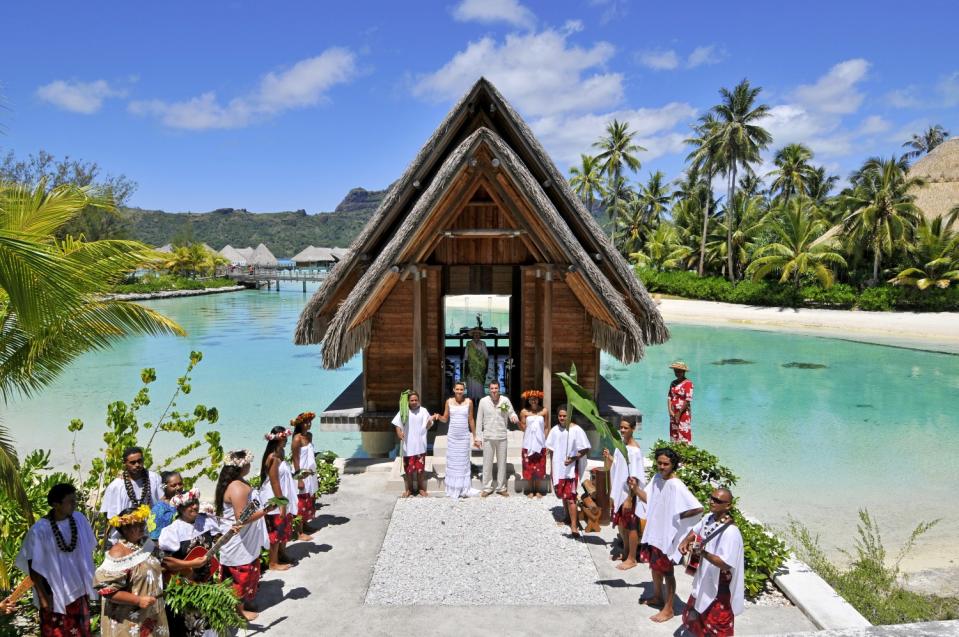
680 365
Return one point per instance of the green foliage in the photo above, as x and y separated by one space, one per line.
870 583
164 282
578 399
327 475
124 430
215 601
701 472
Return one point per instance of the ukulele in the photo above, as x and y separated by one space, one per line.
211 566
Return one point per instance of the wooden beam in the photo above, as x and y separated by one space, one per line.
418 351
548 340
482 233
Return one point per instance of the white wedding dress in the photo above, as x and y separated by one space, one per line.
458 439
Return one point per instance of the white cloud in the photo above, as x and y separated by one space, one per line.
540 72
873 125
669 59
837 90
489 11
903 98
659 60
705 56
948 88
302 85
78 97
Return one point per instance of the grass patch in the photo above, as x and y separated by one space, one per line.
168 282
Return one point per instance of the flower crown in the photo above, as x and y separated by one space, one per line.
280 435
180 499
532 393
239 458
306 416
142 514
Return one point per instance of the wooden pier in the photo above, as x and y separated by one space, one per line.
258 277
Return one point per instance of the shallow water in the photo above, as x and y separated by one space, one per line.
816 428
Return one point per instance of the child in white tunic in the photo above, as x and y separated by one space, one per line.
568 446
412 435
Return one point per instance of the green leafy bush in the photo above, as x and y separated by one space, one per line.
870 583
839 295
879 299
164 282
215 601
764 553
327 475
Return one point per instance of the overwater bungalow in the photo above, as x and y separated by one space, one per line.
233 255
262 258
316 257
482 209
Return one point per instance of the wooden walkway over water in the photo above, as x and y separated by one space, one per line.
258 277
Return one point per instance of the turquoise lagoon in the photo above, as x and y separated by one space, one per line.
816 428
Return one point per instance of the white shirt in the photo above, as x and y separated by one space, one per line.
565 443
727 546
491 419
115 498
665 501
70 575
534 438
620 472
414 439
178 531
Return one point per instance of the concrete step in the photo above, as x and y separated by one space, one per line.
436 473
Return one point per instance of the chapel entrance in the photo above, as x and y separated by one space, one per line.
478 343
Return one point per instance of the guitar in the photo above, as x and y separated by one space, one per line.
212 566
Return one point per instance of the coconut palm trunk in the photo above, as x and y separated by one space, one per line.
730 218
702 240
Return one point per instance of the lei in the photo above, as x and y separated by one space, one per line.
145 496
58 536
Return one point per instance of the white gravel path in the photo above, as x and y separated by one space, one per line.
478 552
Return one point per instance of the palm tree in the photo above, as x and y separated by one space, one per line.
924 143
618 149
793 172
654 198
819 185
687 217
880 210
586 180
704 159
794 254
663 250
632 225
616 198
736 142
936 251
751 221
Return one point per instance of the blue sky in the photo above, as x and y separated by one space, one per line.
286 105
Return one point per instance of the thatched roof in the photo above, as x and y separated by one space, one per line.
166 249
339 253
246 253
263 257
940 170
629 318
233 255
313 254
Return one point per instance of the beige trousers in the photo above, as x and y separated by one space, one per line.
494 448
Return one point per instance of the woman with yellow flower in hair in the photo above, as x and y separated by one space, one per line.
130 580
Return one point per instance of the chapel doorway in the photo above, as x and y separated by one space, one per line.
478 343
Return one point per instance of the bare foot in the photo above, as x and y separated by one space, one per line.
662 616
626 565
303 537
249 615
406 494
424 493
279 567
539 496
530 495
655 602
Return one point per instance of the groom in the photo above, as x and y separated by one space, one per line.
491 418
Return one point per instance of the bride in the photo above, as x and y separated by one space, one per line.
460 436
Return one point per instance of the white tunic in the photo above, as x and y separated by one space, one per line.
534 438
728 546
414 439
618 474
565 443
287 488
308 463
178 531
244 547
665 501
70 575
115 498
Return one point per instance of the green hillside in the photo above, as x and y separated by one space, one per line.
284 233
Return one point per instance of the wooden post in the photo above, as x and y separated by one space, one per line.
304 286
418 351
548 340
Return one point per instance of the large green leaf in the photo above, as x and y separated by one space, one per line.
579 399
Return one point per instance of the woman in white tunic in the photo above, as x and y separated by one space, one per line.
460 437
628 510
276 480
240 554
534 422
304 465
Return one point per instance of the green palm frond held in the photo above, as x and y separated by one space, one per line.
579 399
405 407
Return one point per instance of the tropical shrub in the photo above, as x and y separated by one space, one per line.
871 584
163 282
701 471
327 475
879 299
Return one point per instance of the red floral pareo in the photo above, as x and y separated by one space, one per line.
246 579
279 528
660 562
534 465
680 397
414 464
75 622
718 619
306 506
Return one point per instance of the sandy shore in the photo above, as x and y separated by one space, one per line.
937 331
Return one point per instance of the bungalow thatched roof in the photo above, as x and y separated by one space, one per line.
246 253
313 254
263 257
940 170
339 253
233 255
627 319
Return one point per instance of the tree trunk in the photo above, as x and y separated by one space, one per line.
730 218
875 265
702 243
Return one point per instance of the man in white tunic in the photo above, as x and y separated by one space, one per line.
568 446
717 595
492 415
671 511
57 554
412 435
135 486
